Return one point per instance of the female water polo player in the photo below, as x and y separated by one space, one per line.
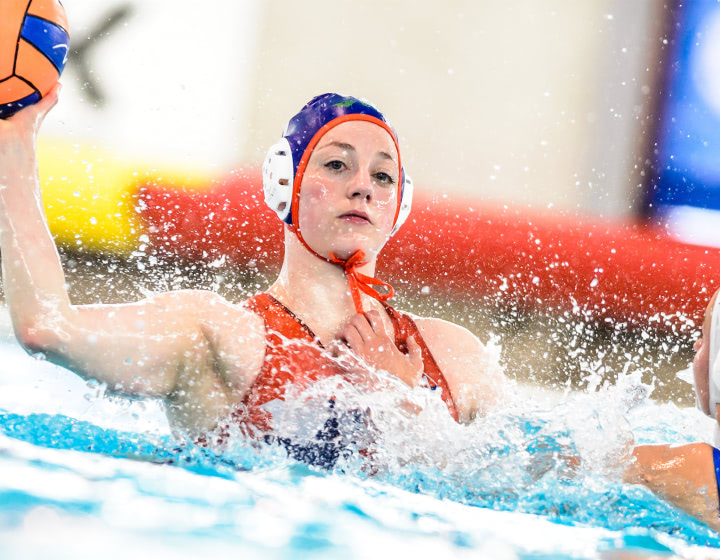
337 181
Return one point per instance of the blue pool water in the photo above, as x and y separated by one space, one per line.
83 475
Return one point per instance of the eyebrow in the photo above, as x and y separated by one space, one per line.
341 145
351 148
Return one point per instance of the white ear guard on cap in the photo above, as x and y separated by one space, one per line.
278 180
405 203
277 172
714 357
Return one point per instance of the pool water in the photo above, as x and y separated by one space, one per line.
85 475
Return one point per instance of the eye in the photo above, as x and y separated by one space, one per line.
385 178
335 165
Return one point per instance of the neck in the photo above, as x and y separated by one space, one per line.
315 289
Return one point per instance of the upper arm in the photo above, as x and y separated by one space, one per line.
142 349
472 370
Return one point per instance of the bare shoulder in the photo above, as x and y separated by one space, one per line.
446 336
457 350
471 368
187 299
216 311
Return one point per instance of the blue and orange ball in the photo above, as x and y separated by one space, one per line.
34 46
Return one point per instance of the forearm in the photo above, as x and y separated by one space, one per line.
684 475
32 273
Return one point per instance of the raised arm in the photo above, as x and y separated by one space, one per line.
33 278
164 346
135 349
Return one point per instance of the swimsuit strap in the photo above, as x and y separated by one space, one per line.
405 328
280 319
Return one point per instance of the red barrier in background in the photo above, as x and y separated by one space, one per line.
228 219
618 271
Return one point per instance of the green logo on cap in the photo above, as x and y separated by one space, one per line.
349 102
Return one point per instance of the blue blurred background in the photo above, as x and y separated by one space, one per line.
686 192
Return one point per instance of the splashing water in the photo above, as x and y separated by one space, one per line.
531 481
564 463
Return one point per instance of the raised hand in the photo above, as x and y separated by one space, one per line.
18 134
24 124
367 339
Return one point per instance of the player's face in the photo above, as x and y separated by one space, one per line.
349 193
701 362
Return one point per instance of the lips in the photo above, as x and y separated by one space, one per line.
356 217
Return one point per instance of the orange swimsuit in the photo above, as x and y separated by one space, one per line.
294 358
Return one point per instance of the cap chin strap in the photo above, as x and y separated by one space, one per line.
360 282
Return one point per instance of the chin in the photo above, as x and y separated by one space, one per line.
345 253
345 244
346 250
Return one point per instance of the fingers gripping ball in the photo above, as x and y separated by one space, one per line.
34 45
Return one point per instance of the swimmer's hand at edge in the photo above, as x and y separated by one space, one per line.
366 337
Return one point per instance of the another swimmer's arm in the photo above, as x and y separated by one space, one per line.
683 475
475 378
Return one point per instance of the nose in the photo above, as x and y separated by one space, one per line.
360 187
